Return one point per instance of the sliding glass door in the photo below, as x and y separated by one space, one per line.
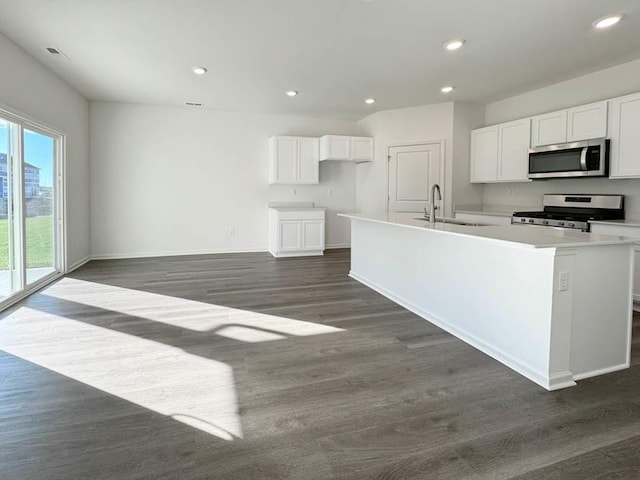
29 206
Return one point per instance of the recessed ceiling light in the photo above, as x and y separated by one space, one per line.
370 101
199 70
447 89
454 44
291 93
608 21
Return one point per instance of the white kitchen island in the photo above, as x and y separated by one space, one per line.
553 305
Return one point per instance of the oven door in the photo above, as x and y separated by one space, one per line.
578 159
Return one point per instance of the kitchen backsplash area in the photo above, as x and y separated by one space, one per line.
530 194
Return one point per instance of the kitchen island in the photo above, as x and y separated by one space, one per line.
553 305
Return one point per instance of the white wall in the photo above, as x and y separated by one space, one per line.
466 117
29 89
169 180
611 82
405 125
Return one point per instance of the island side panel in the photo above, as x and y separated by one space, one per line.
494 295
602 310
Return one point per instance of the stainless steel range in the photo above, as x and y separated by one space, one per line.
573 211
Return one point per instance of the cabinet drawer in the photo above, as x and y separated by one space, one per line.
301 215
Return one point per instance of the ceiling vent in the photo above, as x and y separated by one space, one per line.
194 104
56 53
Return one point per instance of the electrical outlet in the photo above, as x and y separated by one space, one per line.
294 192
232 232
564 282
511 192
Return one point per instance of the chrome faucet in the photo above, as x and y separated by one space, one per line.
432 213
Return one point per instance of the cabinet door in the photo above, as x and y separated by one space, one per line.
549 128
284 160
484 155
513 150
308 154
361 149
313 235
587 122
624 131
338 148
290 235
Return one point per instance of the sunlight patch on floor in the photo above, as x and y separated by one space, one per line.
196 391
228 322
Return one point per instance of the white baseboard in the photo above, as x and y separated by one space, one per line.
78 264
549 382
123 256
602 371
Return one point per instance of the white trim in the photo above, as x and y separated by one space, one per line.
302 253
549 382
122 256
337 245
78 264
602 371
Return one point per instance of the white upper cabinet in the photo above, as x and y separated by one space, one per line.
549 128
500 153
624 132
345 148
361 149
587 122
293 160
484 154
513 151
572 125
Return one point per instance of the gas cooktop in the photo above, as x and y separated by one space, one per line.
573 211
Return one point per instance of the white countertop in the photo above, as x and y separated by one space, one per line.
298 209
525 235
624 223
495 210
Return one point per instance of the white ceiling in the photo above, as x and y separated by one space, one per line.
336 53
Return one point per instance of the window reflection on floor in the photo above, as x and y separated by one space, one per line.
193 389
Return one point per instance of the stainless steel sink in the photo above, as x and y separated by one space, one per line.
451 221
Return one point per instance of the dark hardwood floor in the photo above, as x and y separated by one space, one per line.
247 367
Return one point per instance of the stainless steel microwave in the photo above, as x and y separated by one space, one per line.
589 158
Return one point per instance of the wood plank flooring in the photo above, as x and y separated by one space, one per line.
247 367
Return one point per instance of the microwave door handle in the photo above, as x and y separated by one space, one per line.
583 158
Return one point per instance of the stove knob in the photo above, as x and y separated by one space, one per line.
572 225
523 220
561 224
531 220
545 222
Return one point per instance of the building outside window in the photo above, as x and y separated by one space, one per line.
31 179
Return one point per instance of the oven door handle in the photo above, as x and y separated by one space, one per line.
583 158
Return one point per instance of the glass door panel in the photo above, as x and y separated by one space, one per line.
39 206
10 228
29 188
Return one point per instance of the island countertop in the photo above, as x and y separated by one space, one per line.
523 235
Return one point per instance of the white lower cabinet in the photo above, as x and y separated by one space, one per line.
622 230
296 232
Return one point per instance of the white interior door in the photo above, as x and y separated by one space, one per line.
413 169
